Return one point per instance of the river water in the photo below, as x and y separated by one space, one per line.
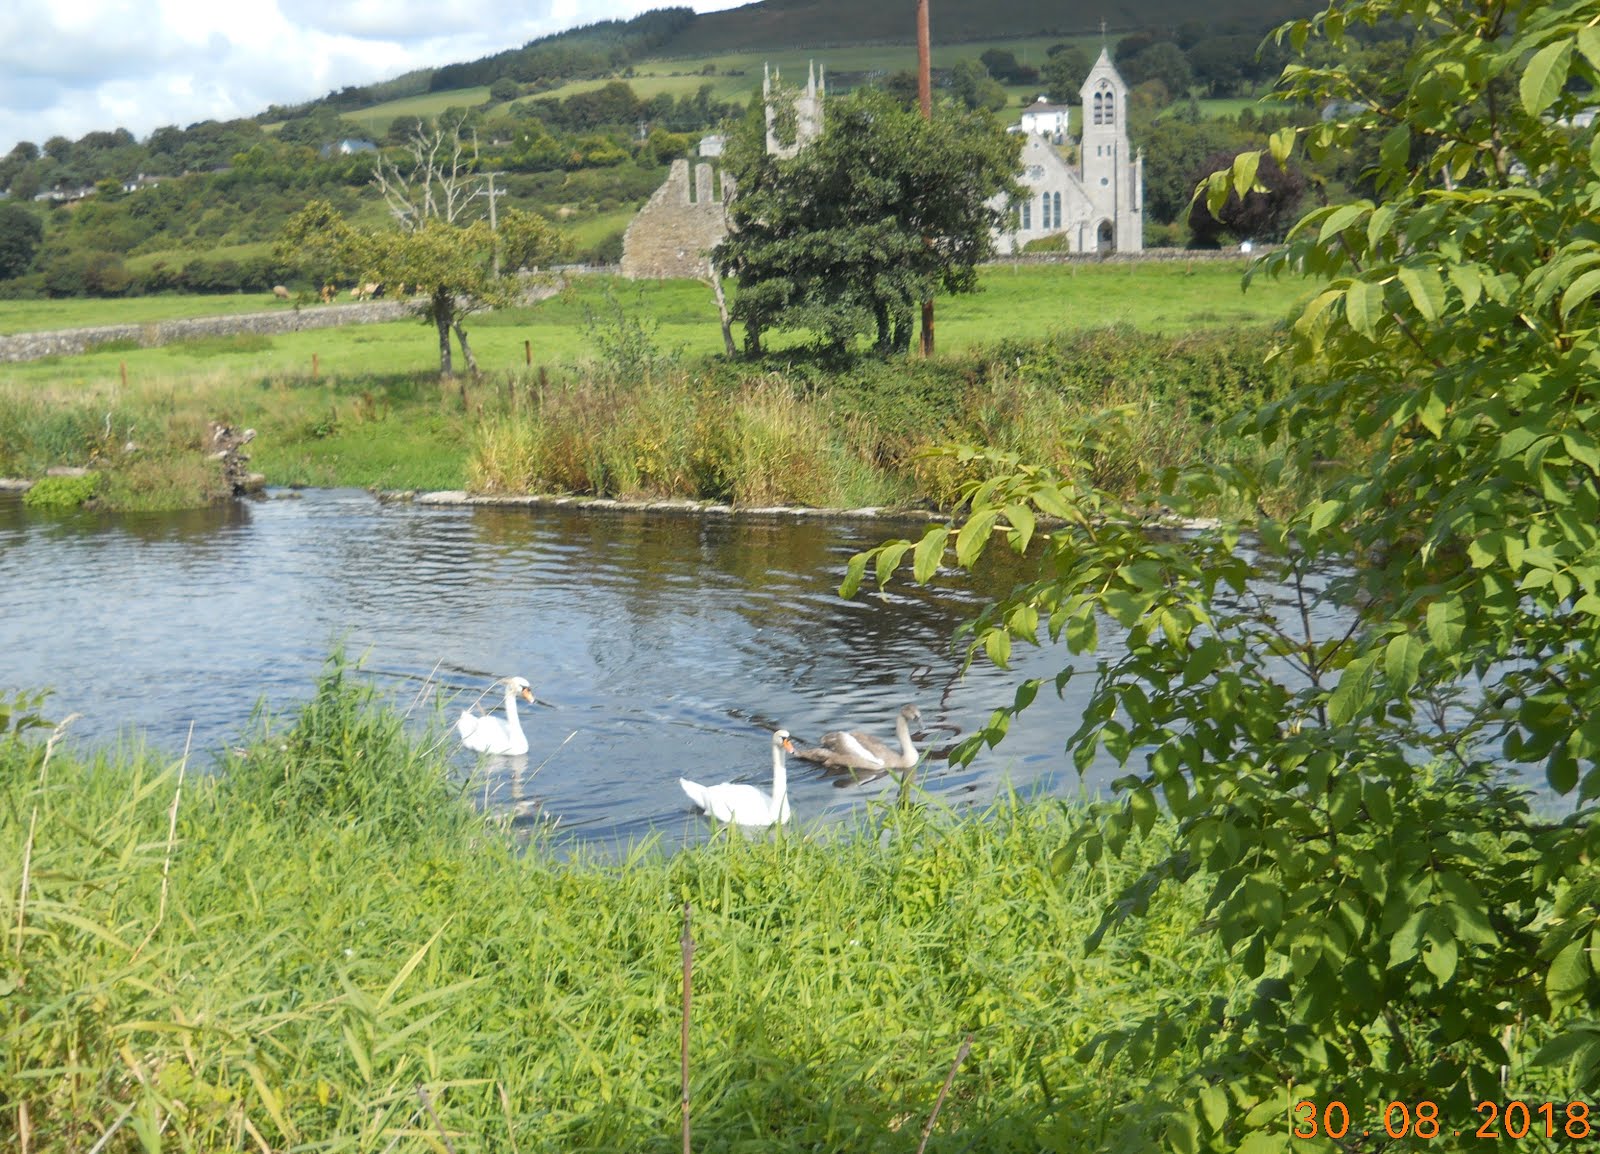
660 644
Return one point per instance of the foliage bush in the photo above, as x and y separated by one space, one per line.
1371 715
62 492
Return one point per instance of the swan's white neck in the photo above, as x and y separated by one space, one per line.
902 730
511 704
780 777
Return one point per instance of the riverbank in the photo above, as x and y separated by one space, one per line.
1107 406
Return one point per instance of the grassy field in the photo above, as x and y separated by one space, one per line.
619 388
1016 300
324 947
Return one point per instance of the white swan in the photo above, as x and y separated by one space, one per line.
486 734
745 804
852 749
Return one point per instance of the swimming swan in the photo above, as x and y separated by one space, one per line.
745 804
852 749
491 734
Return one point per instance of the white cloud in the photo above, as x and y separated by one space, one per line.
68 67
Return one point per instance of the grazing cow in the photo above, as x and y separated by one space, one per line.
280 292
327 293
361 292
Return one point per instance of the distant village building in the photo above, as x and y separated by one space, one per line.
348 147
1042 118
1096 203
711 145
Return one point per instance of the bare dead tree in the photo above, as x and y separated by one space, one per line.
437 182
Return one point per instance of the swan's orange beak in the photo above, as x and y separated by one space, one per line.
788 745
526 695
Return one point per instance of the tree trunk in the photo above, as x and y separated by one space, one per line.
722 313
466 349
880 313
442 320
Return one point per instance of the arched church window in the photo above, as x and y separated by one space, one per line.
1058 209
1027 215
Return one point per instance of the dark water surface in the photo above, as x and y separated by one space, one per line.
663 644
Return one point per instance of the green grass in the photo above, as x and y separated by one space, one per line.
296 951
377 118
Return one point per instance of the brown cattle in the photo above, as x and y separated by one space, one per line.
280 292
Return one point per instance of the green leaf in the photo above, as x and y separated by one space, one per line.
1545 76
1281 144
1353 694
1021 519
1426 289
1589 44
929 552
997 644
854 572
1364 307
1263 1142
1441 955
1326 513
1245 167
1402 661
973 537
888 559
1579 292
1340 219
1445 625
1569 974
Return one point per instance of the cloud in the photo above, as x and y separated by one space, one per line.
68 67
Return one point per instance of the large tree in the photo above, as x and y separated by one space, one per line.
443 247
1373 716
849 235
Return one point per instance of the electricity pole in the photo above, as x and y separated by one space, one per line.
925 99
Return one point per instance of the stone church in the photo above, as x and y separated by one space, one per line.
688 215
1097 202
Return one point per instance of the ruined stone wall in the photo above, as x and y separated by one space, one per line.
68 342
672 233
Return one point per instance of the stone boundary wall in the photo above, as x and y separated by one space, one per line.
286 319
1147 256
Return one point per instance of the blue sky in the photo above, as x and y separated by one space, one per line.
68 67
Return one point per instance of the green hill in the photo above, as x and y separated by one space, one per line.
774 25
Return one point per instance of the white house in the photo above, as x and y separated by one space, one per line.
1097 203
1042 118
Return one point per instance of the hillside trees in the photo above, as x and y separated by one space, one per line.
850 234
20 233
1064 72
1374 715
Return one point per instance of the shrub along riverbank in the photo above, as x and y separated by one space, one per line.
324 946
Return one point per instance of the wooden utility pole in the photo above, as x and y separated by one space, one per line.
925 99
494 222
